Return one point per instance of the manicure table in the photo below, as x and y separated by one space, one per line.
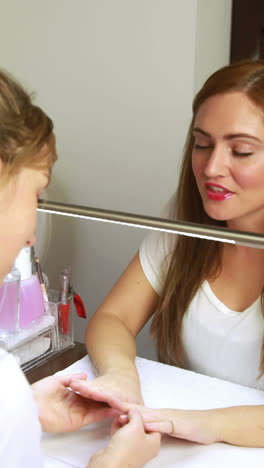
163 386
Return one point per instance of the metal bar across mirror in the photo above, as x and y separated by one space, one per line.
160 224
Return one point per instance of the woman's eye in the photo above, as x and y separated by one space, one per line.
242 153
201 147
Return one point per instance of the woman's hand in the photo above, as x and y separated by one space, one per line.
110 388
61 409
194 425
236 425
129 447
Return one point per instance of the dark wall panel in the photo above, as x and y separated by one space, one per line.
247 38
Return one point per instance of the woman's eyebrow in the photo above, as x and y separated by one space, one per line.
203 132
242 135
229 136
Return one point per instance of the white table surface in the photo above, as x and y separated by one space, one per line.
167 387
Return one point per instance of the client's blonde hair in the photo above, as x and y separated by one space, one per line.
26 132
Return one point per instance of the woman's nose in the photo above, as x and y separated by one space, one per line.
217 163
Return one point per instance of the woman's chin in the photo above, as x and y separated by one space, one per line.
216 214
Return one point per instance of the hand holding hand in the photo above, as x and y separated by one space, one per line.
61 409
194 425
110 388
129 447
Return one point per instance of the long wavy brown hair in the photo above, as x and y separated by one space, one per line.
194 259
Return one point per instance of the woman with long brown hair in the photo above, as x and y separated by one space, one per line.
205 297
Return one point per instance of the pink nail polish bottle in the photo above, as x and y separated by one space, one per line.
31 296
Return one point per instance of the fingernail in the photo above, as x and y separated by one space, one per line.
123 417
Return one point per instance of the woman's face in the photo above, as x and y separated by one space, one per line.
228 160
18 203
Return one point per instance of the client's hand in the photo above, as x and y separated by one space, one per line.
129 446
195 425
110 388
61 409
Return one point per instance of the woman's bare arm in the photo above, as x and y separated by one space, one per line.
111 333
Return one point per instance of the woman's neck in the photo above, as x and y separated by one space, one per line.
249 224
244 253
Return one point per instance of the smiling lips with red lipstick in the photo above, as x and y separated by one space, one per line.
217 192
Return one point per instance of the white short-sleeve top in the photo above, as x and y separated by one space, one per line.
20 430
218 341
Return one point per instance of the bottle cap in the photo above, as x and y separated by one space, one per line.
23 263
13 275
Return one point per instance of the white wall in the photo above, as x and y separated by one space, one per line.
117 77
212 42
